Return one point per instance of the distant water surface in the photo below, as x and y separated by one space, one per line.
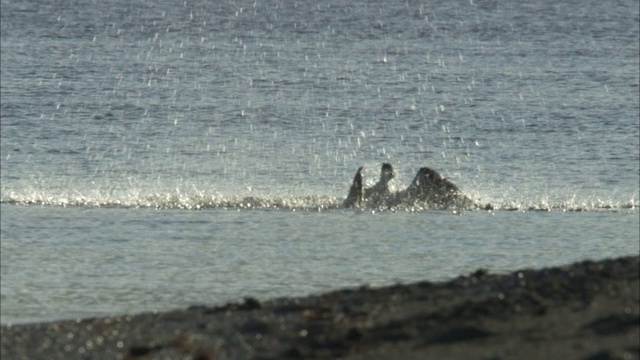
156 156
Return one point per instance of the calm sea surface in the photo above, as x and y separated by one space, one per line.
156 156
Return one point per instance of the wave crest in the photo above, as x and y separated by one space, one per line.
201 201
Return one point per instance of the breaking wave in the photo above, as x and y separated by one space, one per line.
201 201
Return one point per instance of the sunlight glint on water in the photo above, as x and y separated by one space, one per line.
120 118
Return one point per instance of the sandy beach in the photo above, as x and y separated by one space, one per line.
586 310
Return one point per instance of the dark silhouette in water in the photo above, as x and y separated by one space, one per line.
378 195
354 198
428 189
433 189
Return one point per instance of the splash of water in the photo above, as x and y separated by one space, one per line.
202 200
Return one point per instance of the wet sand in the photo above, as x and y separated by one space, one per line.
586 310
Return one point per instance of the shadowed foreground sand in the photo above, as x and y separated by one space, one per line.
587 310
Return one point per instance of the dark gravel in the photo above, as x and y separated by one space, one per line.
587 310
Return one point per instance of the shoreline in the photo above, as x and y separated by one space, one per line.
585 310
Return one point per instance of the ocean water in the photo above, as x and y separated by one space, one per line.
160 155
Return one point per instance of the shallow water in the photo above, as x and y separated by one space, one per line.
162 156
72 262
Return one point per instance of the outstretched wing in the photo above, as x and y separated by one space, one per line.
355 192
431 188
